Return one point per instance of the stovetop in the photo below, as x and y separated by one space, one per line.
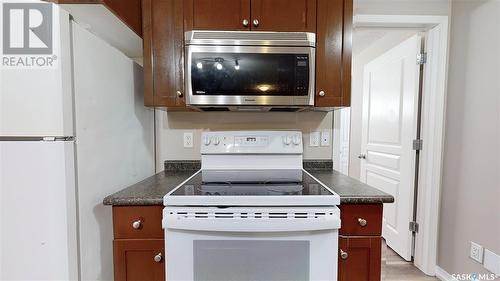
252 188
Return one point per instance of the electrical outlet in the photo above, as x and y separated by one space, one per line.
325 138
314 139
476 252
188 140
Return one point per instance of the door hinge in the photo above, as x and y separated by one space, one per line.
421 58
413 226
417 144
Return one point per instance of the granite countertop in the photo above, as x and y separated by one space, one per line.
151 190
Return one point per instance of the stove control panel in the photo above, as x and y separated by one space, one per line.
252 142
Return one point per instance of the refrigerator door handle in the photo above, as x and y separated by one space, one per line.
58 138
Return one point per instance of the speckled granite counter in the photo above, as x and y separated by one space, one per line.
151 190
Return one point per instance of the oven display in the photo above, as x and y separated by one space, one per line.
253 141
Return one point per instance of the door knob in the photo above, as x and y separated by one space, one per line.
362 222
362 156
158 258
137 224
179 94
343 255
255 22
245 23
322 93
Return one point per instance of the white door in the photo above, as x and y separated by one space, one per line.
390 107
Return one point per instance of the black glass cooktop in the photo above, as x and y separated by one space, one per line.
251 183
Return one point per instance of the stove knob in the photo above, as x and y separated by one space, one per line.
216 140
287 140
206 140
296 140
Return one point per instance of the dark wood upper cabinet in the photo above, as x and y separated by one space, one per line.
218 14
359 258
283 15
333 53
165 21
163 29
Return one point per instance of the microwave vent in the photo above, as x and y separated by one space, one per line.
250 38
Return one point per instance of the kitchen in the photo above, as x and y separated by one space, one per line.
152 92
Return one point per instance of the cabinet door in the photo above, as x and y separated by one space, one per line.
333 53
134 259
217 14
284 15
359 258
163 34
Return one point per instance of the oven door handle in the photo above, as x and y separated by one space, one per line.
251 224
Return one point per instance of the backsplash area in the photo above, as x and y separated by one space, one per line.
171 126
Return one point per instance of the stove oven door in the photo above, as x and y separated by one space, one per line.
264 244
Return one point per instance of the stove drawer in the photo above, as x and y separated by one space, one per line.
133 222
361 219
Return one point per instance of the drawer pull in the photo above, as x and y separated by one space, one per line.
362 222
137 224
343 255
158 258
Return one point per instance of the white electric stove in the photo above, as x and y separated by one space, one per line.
251 213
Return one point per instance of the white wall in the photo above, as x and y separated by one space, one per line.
172 125
379 41
402 7
470 208
114 142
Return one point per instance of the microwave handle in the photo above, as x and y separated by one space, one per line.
251 224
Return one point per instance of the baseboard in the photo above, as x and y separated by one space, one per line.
442 275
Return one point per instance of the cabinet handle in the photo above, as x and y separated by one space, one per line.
362 156
343 255
362 222
137 224
179 94
255 22
158 258
245 23
322 93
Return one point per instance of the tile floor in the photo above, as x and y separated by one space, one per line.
395 268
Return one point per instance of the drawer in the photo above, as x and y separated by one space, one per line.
361 219
132 222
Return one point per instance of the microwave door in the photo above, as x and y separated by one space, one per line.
250 75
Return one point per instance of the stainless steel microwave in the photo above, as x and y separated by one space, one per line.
250 70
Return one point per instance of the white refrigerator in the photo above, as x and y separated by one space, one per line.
69 136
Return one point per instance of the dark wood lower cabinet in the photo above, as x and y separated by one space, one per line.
139 259
359 258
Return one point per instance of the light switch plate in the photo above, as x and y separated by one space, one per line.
492 262
325 138
314 139
188 140
476 252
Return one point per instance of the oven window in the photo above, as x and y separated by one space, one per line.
258 260
250 74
